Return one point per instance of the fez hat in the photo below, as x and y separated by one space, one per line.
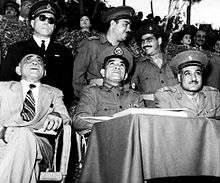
188 58
120 12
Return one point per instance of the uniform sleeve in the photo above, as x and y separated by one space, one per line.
81 64
135 79
85 108
162 99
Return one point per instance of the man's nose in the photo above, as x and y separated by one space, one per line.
194 77
35 63
128 28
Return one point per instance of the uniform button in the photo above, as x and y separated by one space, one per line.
162 81
120 107
160 72
105 109
117 94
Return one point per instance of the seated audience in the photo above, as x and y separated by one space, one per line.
153 71
112 97
200 39
190 93
212 74
26 106
72 39
13 30
11 9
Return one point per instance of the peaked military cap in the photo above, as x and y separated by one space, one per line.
123 59
118 51
44 6
188 58
120 12
156 30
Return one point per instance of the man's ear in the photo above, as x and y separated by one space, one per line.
126 76
102 72
179 78
159 40
45 73
32 23
18 70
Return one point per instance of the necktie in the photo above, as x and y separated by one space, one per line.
43 45
28 110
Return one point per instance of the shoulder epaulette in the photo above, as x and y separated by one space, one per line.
209 88
93 38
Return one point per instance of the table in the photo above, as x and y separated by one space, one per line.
138 147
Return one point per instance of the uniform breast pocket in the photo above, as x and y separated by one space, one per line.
105 110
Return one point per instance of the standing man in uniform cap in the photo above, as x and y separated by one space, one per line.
43 16
153 71
91 53
190 93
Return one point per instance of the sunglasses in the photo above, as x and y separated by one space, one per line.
42 18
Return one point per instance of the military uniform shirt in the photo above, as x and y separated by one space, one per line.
104 101
89 60
148 77
208 103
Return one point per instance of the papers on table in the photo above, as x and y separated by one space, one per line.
180 112
47 132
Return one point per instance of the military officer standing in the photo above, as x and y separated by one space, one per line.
91 53
190 93
153 71
108 99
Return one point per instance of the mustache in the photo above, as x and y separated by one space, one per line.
194 81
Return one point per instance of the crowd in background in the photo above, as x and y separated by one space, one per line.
71 31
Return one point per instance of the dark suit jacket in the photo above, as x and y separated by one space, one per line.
58 60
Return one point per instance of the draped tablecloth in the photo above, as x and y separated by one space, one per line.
135 148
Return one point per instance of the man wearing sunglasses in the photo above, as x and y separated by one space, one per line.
43 17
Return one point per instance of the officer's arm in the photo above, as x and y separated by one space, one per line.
85 108
81 64
162 99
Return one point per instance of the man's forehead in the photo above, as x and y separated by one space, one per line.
201 32
47 14
31 58
115 60
124 20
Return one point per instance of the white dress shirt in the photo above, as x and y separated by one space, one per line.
35 91
39 41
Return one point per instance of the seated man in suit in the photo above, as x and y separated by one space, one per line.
43 17
190 93
112 97
28 107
